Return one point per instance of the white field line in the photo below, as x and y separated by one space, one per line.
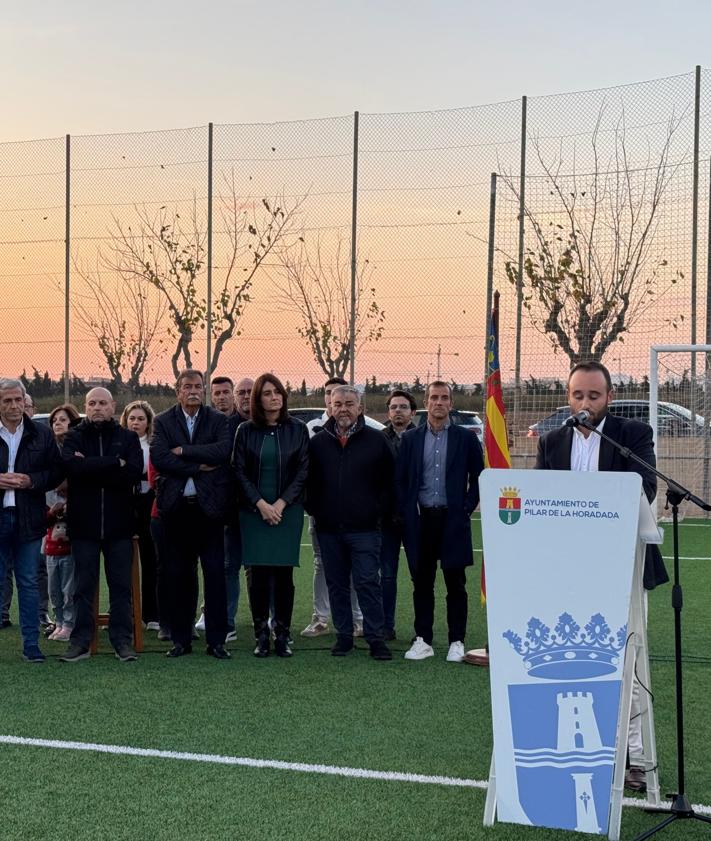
279 765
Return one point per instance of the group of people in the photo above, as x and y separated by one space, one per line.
227 485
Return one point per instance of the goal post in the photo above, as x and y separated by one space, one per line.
679 413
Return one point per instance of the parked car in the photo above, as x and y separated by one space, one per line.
310 414
672 419
306 414
43 417
461 417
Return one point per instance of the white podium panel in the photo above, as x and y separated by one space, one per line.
560 551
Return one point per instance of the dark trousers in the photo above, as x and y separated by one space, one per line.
42 589
271 585
188 534
389 559
423 578
162 578
149 584
117 566
356 554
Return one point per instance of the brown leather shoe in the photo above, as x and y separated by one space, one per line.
636 780
477 657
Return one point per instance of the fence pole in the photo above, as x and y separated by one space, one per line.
67 257
489 278
706 412
209 259
519 275
695 231
354 249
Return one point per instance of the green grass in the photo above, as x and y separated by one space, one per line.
430 718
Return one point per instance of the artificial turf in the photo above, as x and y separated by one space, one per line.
428 717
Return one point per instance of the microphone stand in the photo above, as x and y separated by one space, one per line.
680 807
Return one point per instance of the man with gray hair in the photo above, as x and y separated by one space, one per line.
104 462
29 466
350 490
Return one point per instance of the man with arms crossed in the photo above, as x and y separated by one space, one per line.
190 450
29 466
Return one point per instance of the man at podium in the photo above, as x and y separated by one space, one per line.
577 448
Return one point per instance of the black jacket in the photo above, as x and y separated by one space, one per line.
350 488
38 456
100 502
554 454
293 451
210 445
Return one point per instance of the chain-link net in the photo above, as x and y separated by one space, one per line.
32 211
608 205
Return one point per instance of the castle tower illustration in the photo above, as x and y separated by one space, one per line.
578 731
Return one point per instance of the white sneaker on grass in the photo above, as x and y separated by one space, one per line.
200 624
231 636
456 652
419 650
316 627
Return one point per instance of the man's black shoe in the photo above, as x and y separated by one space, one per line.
380 651
281 646
179 651
219 652
75 653
126 654
343 646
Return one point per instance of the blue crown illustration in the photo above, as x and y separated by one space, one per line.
569 652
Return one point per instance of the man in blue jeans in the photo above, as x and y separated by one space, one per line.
30 465
349 492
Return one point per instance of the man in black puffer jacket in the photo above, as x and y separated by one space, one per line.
29 466
349 492
104 463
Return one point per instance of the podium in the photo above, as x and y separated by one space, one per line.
566 616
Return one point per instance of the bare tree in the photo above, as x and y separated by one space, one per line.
591 276
318 286
167 253
123 317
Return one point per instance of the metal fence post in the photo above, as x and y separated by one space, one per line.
209 258
519 275
354 248
695 230
706 411
489 277
67 258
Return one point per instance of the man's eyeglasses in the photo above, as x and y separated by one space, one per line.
244 392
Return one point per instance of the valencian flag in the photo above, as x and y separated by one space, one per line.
496 444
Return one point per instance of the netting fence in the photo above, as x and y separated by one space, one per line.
233 245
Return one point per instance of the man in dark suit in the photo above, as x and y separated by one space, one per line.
437 474
190 450
568 448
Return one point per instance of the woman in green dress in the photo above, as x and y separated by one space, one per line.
270 459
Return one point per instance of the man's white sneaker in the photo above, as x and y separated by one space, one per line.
357 627
200 624
419 650
456 652
231 636
316 628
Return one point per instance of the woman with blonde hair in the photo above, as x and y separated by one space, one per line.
138 417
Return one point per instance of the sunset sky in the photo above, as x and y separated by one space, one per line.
97 69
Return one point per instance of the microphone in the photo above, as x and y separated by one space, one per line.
578 419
